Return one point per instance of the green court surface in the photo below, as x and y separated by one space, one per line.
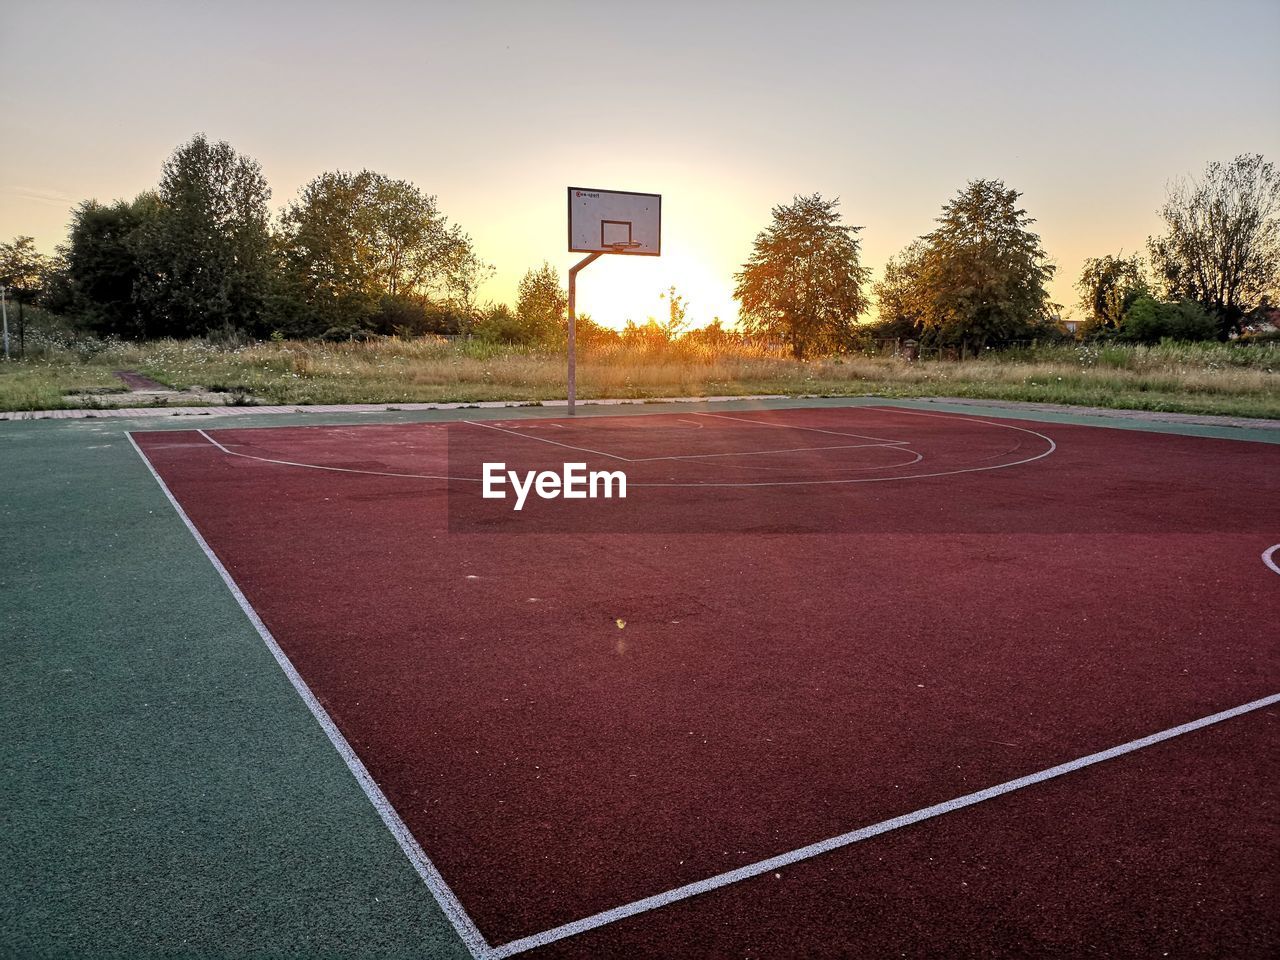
166 792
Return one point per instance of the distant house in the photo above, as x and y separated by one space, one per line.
1071 326
1264 320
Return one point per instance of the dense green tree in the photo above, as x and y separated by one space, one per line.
979 277
542 305
57 293
1149 321
803 282
351 239
104 272
984 271
207 253
22 269
497 323
1221 246
901 295
1108 287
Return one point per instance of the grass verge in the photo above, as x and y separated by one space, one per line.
1209 378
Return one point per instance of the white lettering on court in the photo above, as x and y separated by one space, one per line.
573 482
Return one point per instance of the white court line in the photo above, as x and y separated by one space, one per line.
448 901
789 426
918 457
445 897
555 443
910 476
316 466
865 833
762 453
1268 557
778 483
424 476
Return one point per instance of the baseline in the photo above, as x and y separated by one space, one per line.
646 904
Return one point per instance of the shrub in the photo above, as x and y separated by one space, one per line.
498 324
1150 321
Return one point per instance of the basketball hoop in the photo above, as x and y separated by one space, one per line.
604 222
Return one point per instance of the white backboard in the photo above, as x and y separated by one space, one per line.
615 221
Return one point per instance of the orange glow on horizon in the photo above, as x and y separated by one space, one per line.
616 289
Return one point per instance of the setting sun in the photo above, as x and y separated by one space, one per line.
617 289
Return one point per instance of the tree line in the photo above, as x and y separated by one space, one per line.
361 254
981 276
201 255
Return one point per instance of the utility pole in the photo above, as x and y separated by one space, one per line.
4 312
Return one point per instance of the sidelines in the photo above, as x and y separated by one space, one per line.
445 897
865 833
448 901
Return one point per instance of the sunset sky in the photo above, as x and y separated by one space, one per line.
725 109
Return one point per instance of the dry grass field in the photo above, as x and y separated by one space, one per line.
1210 378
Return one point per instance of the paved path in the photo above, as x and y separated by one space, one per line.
1150 416
232 411
136 381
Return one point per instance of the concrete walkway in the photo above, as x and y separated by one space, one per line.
1143 416
1148 416
233 411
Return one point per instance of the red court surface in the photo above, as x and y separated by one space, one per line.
799 623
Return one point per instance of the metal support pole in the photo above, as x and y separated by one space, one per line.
573 327
4 312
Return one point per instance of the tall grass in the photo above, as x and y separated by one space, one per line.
1198 378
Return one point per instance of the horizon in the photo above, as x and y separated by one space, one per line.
497 123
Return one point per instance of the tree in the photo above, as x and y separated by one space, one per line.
103 267
352 239
542 305
1221 247
712 337
677 312
1150 321
592 334
207 253
23 272
57 293
983 272
803 281
1108 287
901 296
498 324
22 269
